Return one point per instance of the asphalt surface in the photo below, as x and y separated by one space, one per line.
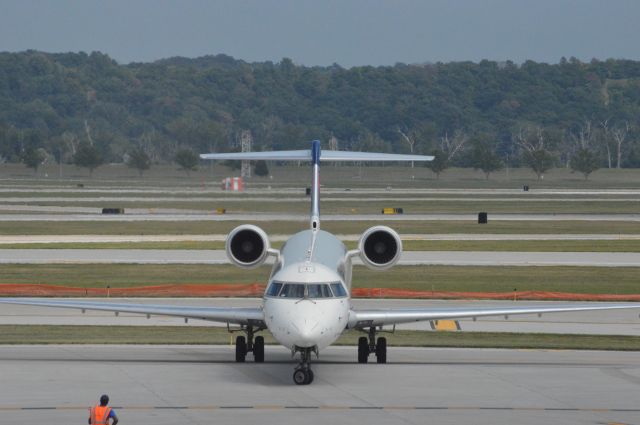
186 256
202 385
614 322
302 198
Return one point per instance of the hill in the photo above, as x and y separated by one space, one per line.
55 101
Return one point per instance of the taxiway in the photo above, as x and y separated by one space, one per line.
202 256
202 385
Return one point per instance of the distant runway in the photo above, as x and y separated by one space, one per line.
301 198
53 239
144 215
260 190
187 256
168 385
612 322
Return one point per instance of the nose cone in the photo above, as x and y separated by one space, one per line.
306 323
306 331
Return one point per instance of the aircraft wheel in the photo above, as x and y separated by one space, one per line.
309 376
258 349
301 376
363 349
241 349
381 350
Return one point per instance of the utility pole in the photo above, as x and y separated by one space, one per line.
246 140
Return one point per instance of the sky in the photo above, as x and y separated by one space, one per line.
324 32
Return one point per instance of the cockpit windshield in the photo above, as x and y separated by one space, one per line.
306 290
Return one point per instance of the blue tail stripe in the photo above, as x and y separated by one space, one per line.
315 152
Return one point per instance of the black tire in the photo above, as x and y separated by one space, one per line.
300 377
363 349
258 350
309 376
241 349
381 350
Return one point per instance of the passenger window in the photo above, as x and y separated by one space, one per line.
274 289
338 290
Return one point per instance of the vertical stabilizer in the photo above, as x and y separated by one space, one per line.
315 186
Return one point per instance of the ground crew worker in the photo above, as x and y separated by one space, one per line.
100 413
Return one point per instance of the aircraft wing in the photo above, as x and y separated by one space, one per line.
240 316
379 317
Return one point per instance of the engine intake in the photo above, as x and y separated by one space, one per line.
247 246
380 247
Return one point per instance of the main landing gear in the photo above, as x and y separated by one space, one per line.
369 345
303 375
250 344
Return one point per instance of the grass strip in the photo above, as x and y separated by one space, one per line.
71 334
359 206
338 227
583 280
618 245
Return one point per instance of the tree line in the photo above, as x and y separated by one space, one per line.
88 109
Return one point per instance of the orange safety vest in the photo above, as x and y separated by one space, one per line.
99 415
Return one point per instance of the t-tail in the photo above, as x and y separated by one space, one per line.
315 155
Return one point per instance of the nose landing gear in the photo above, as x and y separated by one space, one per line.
303 375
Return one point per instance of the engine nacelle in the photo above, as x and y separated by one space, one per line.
247 246
380 247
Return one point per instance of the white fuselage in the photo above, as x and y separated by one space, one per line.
309 319
306 323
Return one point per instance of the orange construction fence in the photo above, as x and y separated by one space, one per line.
183 290
257 290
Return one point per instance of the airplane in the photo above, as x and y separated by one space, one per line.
307 304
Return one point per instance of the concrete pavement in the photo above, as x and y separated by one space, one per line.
187 256
168 385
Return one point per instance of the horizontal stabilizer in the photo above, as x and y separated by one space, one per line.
370 156
305 155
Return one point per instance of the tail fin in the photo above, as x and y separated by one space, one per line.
315 155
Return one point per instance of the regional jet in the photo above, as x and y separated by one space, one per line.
307 305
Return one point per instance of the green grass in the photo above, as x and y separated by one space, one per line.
371 207
338 227
128 275
527 246
45 334
586 280
410 245
344 176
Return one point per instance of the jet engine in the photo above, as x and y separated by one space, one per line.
380 247
247 246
